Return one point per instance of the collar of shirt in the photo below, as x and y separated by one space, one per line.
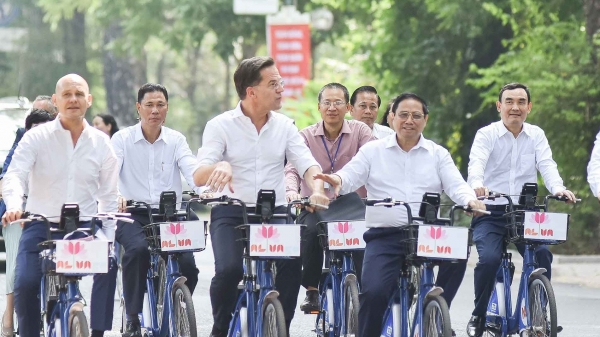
391 141
237 113
139 134
381 131
502 129
320 131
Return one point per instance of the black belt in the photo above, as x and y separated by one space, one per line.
497 208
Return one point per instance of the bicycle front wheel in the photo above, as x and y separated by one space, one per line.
79 325
542 307
273 319
183 310
351 307
436 318
160 281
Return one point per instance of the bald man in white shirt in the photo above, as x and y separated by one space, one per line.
505 155
66 160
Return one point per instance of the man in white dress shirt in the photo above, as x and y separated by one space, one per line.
66 160
151 158
243 151
364 105
593 169
422 166
505 155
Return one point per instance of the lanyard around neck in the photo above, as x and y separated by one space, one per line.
332 160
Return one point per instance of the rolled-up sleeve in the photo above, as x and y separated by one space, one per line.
593 168
187 163
297 152
15 179
107 191
453 183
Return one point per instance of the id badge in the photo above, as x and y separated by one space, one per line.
326 185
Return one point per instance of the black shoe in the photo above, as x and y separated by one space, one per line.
475 326
132 329
559 328
453 333
311 302
217 333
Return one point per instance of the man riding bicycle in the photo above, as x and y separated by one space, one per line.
66 160
403 166
505 155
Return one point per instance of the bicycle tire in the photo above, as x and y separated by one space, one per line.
549 329
184 313
79 325
351 307
273 319
120 252
159 285
436 318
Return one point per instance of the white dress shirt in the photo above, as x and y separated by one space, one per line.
593 168
60 173
503 163
146 170
256 158
381 131
388 171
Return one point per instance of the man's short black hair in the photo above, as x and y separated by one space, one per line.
512 86
365 88
334 85
37 116
247 73
409 95
109 120
151 87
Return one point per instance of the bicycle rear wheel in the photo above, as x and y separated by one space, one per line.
542 308
436 318
273 319
183 310
79 325
160 281
351 307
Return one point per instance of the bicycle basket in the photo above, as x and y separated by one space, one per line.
74 257
179 236
527 227
342 234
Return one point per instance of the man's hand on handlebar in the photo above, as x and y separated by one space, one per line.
291 196
318 199
477 205
122 204
567 194
10 216
482 191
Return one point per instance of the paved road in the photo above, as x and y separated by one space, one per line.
578 305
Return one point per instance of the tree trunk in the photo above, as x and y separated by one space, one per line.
123 75
75 56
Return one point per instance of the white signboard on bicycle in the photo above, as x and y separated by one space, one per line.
81 257
346 235
443 242
182 236
275 240
545 226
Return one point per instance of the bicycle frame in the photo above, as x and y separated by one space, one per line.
334 281
68 296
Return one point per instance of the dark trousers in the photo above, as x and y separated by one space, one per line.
228 251
28 275
312 251
136 261
489 232
381 270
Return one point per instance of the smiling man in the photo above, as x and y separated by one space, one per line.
505 155
364 105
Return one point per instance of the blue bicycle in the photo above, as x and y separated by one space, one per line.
430 313
338 288
258 312
61 302
535 308
168 308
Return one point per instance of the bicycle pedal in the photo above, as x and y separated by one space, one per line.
559 328
240 287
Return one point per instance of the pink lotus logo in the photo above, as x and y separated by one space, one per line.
176 229
344 227
267 232
74 248
540 218
436 233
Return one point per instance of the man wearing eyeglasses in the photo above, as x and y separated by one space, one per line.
333 142
364 104
422 166
243 151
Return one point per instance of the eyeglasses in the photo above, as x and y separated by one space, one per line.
276 85
415 116
336 104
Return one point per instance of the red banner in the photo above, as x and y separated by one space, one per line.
289 45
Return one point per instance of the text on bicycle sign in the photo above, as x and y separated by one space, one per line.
181 236
346 234
545 226
443 242
81 257
274 240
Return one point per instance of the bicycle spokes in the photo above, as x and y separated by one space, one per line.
540 320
